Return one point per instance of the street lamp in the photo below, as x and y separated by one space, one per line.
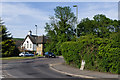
36 29
76 17
36 38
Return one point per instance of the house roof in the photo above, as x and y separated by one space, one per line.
41 39
38 39
18 42
33 38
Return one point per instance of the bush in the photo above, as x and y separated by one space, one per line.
101 54
71 53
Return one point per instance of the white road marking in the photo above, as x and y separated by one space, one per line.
2 76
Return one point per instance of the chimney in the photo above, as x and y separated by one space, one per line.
30 32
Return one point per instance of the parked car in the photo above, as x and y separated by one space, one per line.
50 54
25 54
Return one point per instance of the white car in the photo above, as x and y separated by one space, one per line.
25 54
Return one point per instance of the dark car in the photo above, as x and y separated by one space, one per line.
50 54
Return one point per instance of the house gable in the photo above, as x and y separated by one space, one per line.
34 43
28 44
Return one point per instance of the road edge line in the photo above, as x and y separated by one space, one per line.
82 76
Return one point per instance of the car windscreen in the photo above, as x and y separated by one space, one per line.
50 53
46 53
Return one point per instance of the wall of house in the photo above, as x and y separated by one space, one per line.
40 49
29 45
34 47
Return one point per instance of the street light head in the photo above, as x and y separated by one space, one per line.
74 5
36 25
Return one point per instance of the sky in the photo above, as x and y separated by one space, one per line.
21 17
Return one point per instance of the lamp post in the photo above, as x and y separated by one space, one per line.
36 38
36 29
76 17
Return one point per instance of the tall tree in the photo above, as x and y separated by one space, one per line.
8 45
85 27
100 25
61 27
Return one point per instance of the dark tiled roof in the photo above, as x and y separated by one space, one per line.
18 42
33 38
38 39
41 39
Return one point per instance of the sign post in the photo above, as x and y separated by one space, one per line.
82 65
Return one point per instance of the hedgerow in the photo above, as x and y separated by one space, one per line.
101 54
71 54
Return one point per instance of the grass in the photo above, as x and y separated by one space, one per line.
12 58
39 55
18 39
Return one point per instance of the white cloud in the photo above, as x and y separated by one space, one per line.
108 9
0 9
20 17
18 10
119 10
22 31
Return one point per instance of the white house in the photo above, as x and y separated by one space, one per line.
34 43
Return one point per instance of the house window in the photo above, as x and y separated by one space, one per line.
24 45
30 45
27 44
39 45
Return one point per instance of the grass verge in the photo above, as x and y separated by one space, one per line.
11 58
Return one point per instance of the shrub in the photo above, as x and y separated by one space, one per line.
101 54
71 54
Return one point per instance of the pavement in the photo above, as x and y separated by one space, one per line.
68 70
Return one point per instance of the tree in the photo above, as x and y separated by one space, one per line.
100 25
85 27
103 24
8 45
61 28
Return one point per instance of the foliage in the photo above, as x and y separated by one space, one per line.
101 54
18 39
8 45
108 57
98 43
71 54
103 49
100 25
60 29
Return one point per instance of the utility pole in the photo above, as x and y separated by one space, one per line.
36 29
76 17
36 38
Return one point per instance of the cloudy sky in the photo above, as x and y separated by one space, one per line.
20 17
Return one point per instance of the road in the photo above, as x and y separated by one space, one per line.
34 69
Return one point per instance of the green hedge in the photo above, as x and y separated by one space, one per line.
71 53
101 54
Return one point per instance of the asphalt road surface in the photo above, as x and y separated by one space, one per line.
32 69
